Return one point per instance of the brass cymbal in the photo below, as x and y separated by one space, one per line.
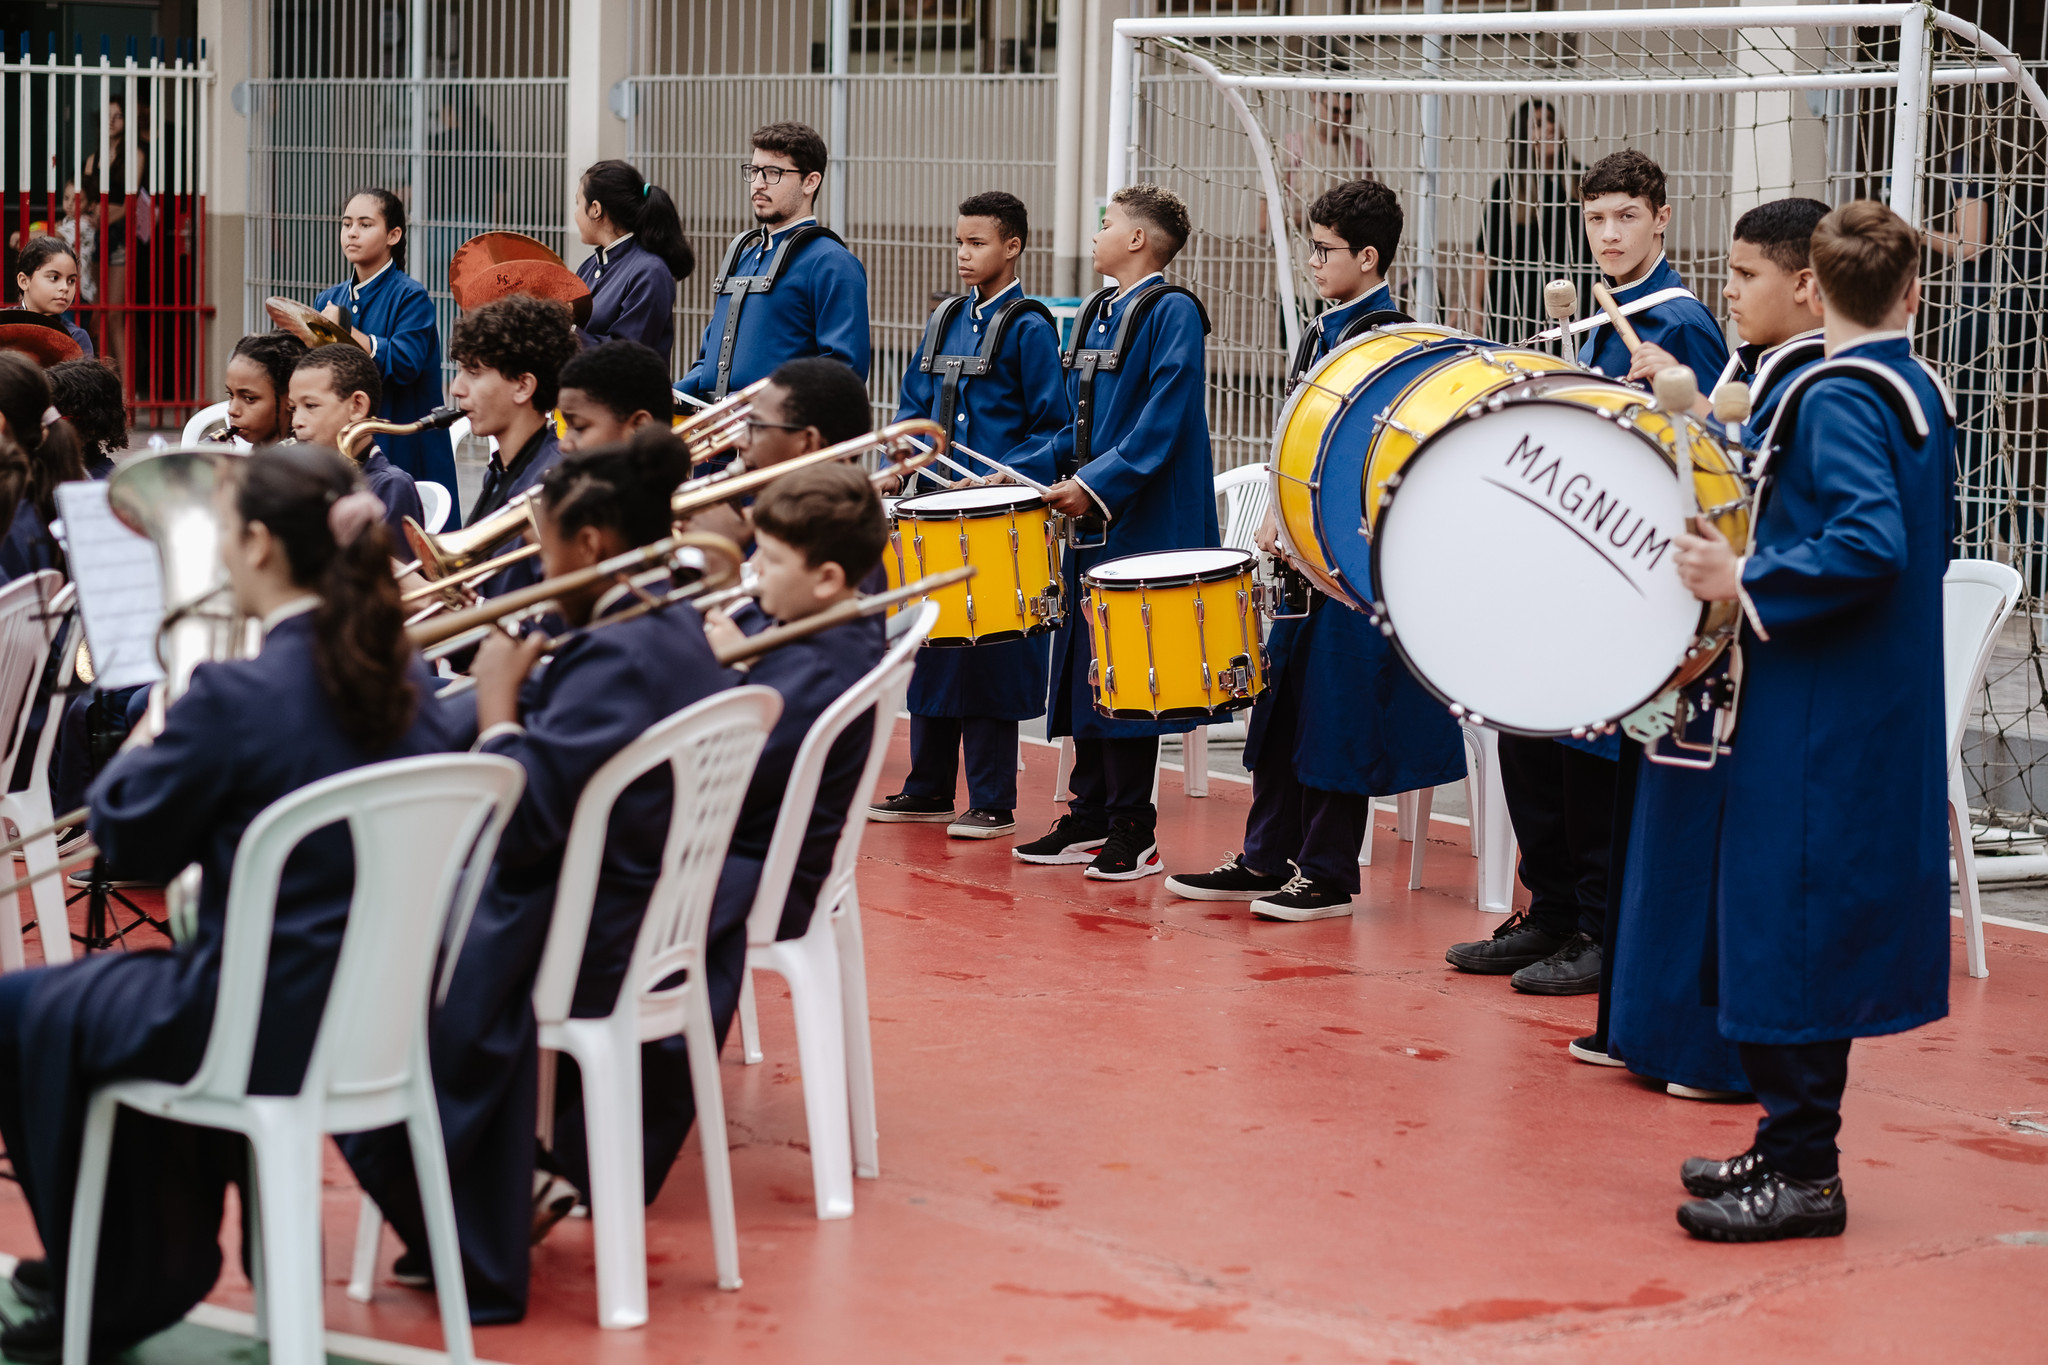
307 324
493 265
38 336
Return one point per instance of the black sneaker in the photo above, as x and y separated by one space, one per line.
1230 881
1709 1179
1573 969
1515 945
911 810
982 823
1302 899
553 1197
1592 1050
413 1269
38 1340
33 1284
1770 1208
1070 840
1129 853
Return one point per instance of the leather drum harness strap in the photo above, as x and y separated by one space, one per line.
1087 362
1305 352
739 287
951 369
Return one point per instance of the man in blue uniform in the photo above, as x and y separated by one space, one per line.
988 370
1652 1017
1828 771
788 287
1341 719
333 386
1137 459
1561 793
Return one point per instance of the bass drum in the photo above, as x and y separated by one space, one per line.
1355 419
1524 557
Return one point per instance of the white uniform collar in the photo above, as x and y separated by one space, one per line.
1622 291
604 253
1870 339
791 227
977 306
1136 285
356 287
298 606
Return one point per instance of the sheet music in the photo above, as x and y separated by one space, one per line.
120 587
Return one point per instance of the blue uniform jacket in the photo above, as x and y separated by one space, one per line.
1010 411
1150 471
502 483
596 695
632 297
246 734
394 311
1833 900
818 307
1367 727
399 494
79 335
1661 1024
29 546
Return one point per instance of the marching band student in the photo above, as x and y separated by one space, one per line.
259 388
508 355
1561 793
332 386
809 404
28 406
1341 718
609 392
1844 585
88 394
968 701
1654 1022
47 278
561 720
390 315
336 686
787 287
1137 457
640 254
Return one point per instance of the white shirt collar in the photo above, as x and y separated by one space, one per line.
1136 285
611 596
786 227
1647 276
298 606
1794 340
978 306
604 253
1870 339
356 287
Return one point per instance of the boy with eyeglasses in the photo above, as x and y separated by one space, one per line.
788 287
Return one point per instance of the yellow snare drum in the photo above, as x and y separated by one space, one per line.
1007 534
1176 634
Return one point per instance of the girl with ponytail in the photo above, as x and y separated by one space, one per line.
335 687
27 406
600 691
641 254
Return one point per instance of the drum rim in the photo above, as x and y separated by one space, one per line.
1248 564
1383 619
1027 497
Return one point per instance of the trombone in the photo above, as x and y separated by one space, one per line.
711 431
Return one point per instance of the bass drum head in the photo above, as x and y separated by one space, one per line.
989 500
1525 561
1164 568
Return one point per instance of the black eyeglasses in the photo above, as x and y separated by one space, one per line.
771 175
1320 252
755 424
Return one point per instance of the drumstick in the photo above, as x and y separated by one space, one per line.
1677 389
691 399
1561 301
971 453
1622 327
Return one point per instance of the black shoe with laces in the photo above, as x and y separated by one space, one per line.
38 1340
1708 1178
1302 899
1070 840
1129 853
1515 945
1592 1050
1230 881
1769 1208
1574 969
982 822
903 809
413 1269
33 1284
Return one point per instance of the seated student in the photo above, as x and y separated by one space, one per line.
53 458
1341 719
88 394
809 404
336 686
609 392
1561 793
331 387
561 721
1655 1022
508 357
1843 584
47 279
259 388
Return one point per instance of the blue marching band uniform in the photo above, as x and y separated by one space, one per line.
394 311
396 489
1342 720
989 372
780 296
632 297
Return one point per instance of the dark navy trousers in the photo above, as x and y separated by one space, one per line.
990 746
1800 1087
1112 782
1319 831
1561 802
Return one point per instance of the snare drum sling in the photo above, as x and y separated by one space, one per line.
781 296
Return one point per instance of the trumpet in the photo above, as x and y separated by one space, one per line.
712 431
354 438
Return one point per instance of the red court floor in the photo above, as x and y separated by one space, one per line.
1121 1127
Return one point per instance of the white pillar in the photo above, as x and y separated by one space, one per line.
838 60
600 48
1095 33
1067 265
1910 118
1432 161
233 33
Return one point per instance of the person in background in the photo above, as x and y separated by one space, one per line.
259 386
641 255
47 279
809 404
390 316
331 387
54 457
1532 232
88 394
610 391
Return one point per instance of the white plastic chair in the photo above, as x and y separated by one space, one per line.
1976 597
424 830
201 420
31 610
1493 833
711 749
827 967
435 503
1247 491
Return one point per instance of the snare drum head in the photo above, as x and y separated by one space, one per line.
1162 568
1525 562
990 500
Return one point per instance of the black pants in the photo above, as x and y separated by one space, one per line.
1319 831
1561 801
937 744
1800 1087
1112 782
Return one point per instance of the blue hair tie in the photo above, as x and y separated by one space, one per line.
644 188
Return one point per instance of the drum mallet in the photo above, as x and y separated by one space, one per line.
1731 402
1561 302
1623 328
1676 389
